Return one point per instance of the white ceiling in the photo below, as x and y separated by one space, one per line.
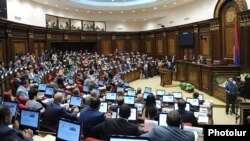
118 10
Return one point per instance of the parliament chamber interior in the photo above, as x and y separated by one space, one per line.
122 70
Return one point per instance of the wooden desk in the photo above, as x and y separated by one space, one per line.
166 76
131 75
203 77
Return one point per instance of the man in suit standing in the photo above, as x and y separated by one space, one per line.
186 116
90 117
54 112
119 126
172 132
231 95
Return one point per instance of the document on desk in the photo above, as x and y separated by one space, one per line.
46 138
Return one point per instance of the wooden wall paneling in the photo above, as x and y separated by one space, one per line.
205 47
74 36
194 76
196 39
244 32
120 45
159 46
216 40
206 81
171 47
181 72
2 51
19 46
134 44
105 46
148 46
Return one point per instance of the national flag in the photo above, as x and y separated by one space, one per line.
236 44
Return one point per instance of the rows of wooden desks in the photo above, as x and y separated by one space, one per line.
207 78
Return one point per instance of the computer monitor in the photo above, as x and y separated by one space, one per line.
103 107
36 78
168 99
148 90
193 101
130 100
68 131
13 107
201 97
145 95
163 119
177 95
119 89
126 84
42 87
187 108
133 114
29 119
85 88
127 138
76 101
160 92
158 103
49 92
131 92
110 96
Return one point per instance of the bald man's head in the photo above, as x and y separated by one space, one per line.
58 98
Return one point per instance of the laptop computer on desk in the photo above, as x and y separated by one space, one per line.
29 120
68 131
41 89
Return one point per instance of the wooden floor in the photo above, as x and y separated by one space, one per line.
219 115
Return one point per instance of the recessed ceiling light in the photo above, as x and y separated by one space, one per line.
45 2
113 0
164 5
99 12
143 10
134 20
133 11
56 5
88 11
122 12
110 12
77 10
175 3
144 19
66 8
155 8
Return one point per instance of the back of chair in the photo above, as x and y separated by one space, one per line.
91 139
6 96
22 106
22 100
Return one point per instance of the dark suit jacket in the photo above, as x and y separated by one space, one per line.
16 134
188 117
54 112
89 118
114 127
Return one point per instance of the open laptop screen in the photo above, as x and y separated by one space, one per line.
187 108
168 98
193 101
76 101
177 95
103 107
131 92
163 119
160 92
41 87
49 92
158 103
147 90
86 88
110 96
12 105
145 95
29 119
119 89
68 131
130 100
201 97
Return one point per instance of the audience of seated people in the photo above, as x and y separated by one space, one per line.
90 118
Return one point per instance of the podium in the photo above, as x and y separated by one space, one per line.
166 76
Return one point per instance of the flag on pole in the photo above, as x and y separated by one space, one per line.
236 44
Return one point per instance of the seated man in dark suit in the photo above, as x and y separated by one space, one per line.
172 132
120 101
6 132
119 126
186 116
90 117
54 112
